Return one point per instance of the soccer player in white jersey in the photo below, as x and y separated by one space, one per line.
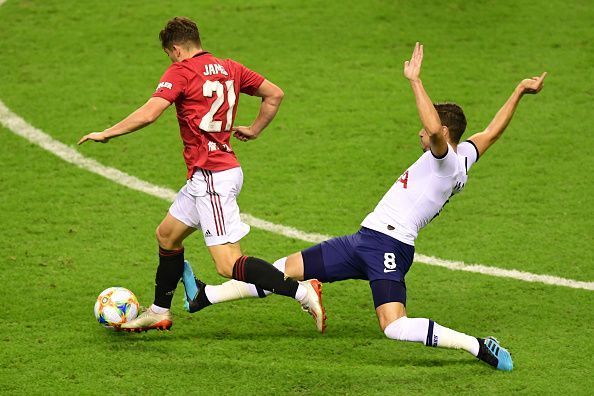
383 249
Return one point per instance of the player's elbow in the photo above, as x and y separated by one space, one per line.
433 129
280 94
276 96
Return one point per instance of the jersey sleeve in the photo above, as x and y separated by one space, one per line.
250 80
468 150
446 165
172 84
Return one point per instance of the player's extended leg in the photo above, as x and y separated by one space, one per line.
252 277
331 260
170 236
291 266
397 326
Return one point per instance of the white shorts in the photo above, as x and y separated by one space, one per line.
208 202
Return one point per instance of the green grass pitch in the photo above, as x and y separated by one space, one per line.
346 130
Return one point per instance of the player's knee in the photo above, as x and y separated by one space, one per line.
164 238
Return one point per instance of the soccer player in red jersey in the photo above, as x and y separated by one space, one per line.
205 90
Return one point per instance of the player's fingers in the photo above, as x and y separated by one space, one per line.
543 75
82 140
239 129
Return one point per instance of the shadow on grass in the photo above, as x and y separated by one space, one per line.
344 348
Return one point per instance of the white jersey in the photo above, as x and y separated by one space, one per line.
421 192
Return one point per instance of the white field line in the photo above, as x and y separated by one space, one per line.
21 128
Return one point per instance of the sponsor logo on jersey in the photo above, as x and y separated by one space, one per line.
214 68
207 233
164 84
213 146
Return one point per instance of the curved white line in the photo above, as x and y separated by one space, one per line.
20 127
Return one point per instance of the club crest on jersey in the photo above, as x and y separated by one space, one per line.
214 68
164 84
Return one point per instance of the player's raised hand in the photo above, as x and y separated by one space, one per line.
412 68
94 136
533 85
244 133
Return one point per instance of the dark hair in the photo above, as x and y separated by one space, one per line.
452 116
179 30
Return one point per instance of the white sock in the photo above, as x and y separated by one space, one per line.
448 338
235 290
301 293
158 310
431 334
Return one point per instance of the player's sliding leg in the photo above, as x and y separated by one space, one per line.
331 260
199 295
170 235
397 326
253 277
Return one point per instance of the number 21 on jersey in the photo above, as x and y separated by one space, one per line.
209 89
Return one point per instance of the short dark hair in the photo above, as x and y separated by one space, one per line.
452 116
179 30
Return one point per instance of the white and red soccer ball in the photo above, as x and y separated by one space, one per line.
115 306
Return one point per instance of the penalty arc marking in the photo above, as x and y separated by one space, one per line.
34 135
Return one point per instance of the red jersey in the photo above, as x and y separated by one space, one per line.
205 91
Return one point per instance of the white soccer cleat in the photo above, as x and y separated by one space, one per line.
312 303
148 320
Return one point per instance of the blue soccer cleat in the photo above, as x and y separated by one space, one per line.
492 353
194 297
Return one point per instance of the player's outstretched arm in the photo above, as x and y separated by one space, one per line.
484 140
272 97
427 113
143 116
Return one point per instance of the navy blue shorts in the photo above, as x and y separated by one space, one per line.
369 255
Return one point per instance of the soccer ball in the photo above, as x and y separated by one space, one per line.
115 306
